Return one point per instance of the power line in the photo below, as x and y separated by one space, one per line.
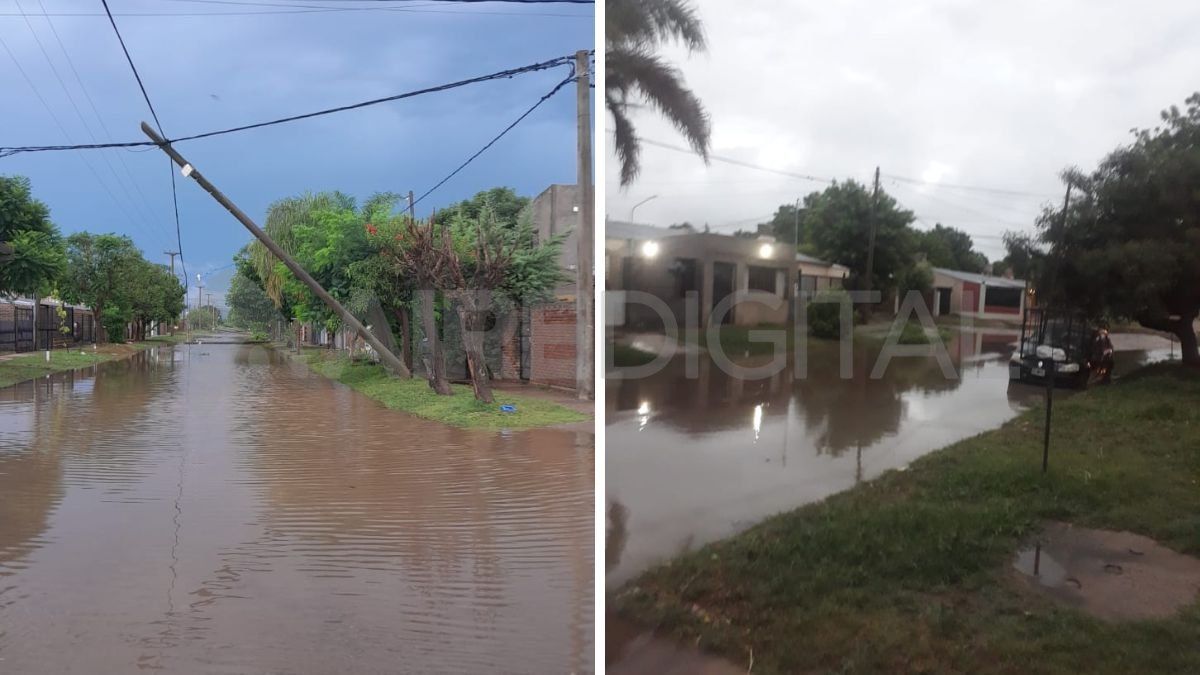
737 162
503 74
570 78
170 165
976 188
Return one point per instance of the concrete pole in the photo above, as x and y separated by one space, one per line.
585 322
389 359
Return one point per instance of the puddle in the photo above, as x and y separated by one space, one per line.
1111 575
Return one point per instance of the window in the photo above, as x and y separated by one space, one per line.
762 279
1004 297
687 276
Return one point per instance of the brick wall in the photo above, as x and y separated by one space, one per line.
510 347
552 341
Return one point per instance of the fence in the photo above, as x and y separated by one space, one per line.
17 328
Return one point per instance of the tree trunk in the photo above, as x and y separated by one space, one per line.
404 317
472 314
1184 330
101 332
436 368
1187 342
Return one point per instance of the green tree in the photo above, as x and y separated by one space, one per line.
32 255
249 306
788 226
489 264
152 295
505 201
635 74
1129 242
1023 257
839 219
950 248
99 274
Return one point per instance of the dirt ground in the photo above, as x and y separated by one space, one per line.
1115 576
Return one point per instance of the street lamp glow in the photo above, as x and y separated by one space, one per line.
649 249
766 251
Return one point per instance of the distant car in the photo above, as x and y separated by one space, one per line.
1063 345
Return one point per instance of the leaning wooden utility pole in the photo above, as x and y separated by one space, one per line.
389 359
585 311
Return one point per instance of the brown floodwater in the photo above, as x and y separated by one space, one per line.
693 459
219 509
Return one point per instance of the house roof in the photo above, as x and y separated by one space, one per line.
997 282
620 229
800 257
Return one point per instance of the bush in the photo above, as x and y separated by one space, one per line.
824 314
114 324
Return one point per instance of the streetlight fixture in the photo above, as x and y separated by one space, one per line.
635 206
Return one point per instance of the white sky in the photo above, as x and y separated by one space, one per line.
963 92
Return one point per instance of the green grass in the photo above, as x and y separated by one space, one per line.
16 369
461 410
735 340
913 333
625 355
911 572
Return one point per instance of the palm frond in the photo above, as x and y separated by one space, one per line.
648 23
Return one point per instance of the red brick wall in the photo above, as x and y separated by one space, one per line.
510 347
552 340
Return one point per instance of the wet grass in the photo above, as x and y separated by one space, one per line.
912 572
625 355
461 410
24 367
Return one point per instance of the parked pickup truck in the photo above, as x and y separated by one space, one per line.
1062 345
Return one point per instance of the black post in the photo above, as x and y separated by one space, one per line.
1049 408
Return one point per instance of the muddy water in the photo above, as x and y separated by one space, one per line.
218 509
692 460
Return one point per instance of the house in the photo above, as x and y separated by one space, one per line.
58 324
978 295
673 263
537 343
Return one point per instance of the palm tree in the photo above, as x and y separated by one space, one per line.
634 30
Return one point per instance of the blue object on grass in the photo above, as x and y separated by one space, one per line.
508 408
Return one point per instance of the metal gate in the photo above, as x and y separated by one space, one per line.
23 341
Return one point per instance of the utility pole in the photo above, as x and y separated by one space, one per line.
585 312
199 298
1051 366
389 359
795 267
412 210
867 281
172 254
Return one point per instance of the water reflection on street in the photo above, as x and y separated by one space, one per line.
217 508
692 460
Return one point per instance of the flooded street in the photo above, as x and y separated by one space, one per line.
690 461
219 509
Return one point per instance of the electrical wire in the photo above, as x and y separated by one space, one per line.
570 78
170 164
503 74
737 162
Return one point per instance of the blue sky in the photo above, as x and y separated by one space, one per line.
233 67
